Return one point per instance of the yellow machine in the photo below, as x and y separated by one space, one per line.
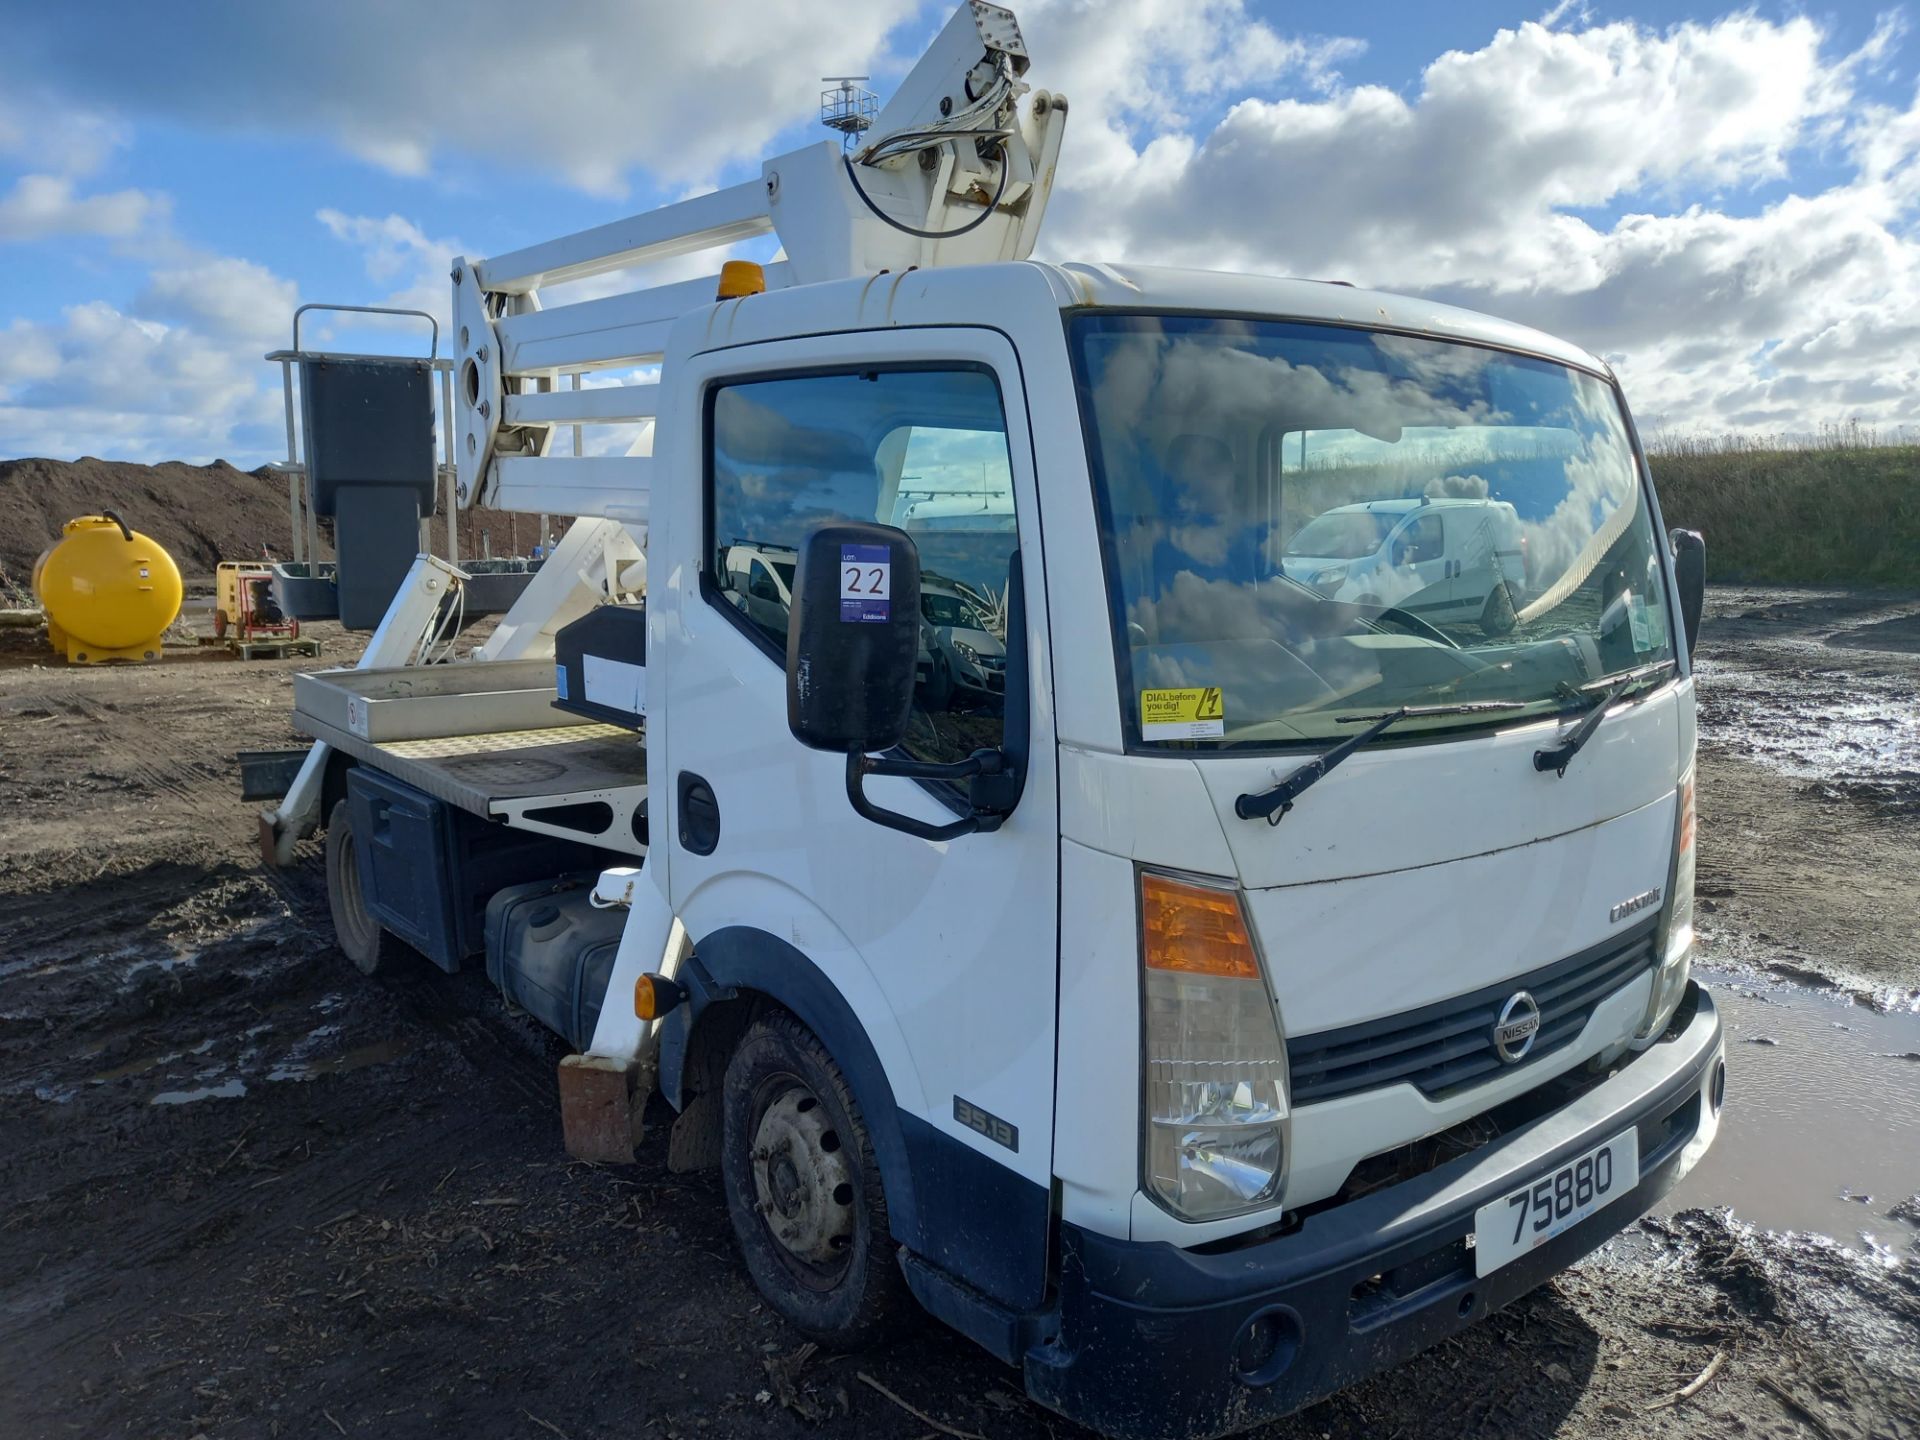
237 594
109 592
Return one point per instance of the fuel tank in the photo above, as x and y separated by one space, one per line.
109 592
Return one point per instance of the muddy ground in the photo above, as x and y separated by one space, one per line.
1809 788
245 1191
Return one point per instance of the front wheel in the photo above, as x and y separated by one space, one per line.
803 1188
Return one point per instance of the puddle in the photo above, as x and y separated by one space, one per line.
226 1090
1819 725
360 1058
1822 1127
139 1066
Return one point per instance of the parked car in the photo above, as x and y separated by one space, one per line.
764 584
1443 559
956 634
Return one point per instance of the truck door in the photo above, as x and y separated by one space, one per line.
942 954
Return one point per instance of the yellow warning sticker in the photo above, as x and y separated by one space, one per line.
1198 714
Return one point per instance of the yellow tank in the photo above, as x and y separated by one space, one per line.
109 592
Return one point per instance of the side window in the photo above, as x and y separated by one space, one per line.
1423 540
925 450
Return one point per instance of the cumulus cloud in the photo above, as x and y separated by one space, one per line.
224 298
102 382
39 207
1712 206
674 91
411 268
1480 188
52 134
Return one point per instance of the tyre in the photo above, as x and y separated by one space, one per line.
1497 616
940 688
219 623
803 1189
361 938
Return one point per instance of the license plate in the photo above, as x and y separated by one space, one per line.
1507 1228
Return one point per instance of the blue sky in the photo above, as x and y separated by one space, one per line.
1723 203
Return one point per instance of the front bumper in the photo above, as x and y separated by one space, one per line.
1154 1340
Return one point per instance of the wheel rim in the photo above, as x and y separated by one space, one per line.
803 1182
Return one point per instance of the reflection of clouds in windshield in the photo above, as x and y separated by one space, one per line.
1185 417
1457 487
758 433
1192 608
1269 653
1436 364
1601 501
1218 440
1232 391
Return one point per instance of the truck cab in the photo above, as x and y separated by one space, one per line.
1277 976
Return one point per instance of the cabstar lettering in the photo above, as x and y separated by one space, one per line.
1633 905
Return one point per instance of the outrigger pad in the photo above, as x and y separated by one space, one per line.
601 1102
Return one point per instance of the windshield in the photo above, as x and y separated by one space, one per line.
1308 523
950 610
1344 534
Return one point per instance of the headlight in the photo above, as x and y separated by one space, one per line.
966 650
1675 935
1330 576
1215 1063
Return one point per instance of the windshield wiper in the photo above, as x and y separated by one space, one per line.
1273 804
1558 757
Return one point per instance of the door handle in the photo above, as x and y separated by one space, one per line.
698 814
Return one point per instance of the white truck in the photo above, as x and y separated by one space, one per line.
1272 985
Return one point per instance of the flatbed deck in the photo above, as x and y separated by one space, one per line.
583 781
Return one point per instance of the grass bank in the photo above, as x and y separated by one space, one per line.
1827 513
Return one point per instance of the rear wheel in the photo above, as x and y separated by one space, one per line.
803 1188
362 938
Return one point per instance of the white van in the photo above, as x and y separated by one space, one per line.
1441 559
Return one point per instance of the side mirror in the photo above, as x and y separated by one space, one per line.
1690 574
853 649
853 638
1398 557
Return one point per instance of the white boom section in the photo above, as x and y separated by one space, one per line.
958 172
597 561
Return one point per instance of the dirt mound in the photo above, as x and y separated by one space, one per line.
202 514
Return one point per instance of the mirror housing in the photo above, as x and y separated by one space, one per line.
853 642
1690 576
853 638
